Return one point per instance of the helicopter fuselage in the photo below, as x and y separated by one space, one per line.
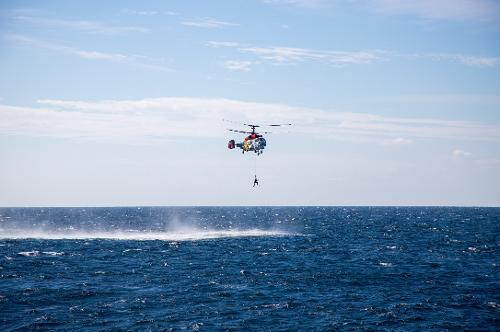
253 142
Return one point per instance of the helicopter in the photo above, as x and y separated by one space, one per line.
254 141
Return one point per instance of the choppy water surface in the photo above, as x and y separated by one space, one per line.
249 268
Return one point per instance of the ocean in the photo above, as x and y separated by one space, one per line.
249 268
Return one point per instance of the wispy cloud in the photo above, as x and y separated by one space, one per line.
301 3
293 55
464 59
462 10
135 60
478 61
221 44
398 141
402 101
238 65
149 12
460 154
83 26
147 120
489 162
207 22
439 10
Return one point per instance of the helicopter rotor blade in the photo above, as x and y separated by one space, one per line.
253 126
241 123
267 125
236 122
239 131
250 125
278 125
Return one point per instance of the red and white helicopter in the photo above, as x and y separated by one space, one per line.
254 141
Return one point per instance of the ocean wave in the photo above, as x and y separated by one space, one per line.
192 235
29 253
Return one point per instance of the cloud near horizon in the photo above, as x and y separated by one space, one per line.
146 121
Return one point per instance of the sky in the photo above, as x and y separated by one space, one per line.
121 103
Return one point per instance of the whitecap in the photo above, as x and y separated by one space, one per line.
271 305
134 249
53 253
385 264
493 305
29 253
75 308
196 326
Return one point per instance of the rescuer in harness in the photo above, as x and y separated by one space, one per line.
255 182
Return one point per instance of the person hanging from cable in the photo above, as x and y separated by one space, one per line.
255 182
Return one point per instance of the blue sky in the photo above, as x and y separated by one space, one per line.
120 102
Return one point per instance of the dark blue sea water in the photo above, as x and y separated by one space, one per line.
258 268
